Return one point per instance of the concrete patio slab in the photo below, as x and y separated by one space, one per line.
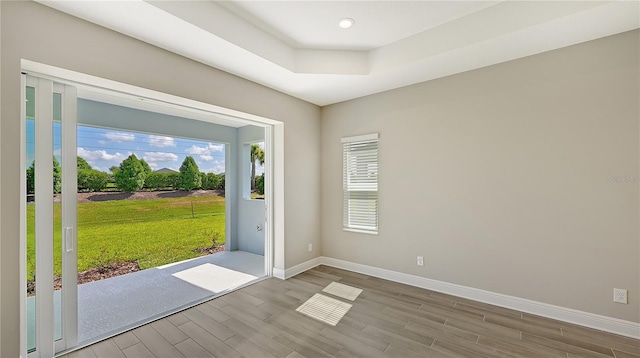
119 303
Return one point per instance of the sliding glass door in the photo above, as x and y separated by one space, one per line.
50 213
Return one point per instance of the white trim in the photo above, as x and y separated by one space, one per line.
23 218
229 194
569 315
44 218
279 273
78 79
360 138
268 201
361 231
298 269
69 219
278 197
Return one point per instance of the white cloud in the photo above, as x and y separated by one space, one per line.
215 147
99 168
218 167
153 165
161 141
119 137
152 157
204 152
93 155
215 169
195 150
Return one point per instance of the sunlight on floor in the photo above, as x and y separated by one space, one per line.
213 278
342 291
324 309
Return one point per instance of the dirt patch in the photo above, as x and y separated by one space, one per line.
145 195
95 274
112 270
210 250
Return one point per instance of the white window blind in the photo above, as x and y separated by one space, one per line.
360 183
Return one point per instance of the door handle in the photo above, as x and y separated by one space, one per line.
68 239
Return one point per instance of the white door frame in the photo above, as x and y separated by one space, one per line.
274 163
46 345
69 218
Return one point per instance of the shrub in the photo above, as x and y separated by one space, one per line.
146 167
130 176
154 181
82 164
173 180
92 180
189 177
221 180
31 174
210 181
159 181
260 184
57 177
204 181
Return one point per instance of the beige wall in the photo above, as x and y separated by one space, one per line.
35 32
500 177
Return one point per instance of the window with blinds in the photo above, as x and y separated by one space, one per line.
360 183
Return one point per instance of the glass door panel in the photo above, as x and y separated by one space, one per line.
30 103
57 216
50 214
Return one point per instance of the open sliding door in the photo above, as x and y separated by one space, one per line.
50 314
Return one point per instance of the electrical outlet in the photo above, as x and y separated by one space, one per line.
420 261
310 247
620 295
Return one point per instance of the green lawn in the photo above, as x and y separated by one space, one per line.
153 232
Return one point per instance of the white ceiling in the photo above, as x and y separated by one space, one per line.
296 46
313 24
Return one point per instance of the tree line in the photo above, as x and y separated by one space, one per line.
133 174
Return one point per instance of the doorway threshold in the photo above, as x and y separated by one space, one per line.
112 306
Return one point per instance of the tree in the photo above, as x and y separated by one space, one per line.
130 175
256 154
31 176
146 166
57 177
83 164
92 180
189 178
260 184
157 181
212 181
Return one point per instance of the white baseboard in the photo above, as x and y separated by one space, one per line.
278 273
307 265
591 320
292 271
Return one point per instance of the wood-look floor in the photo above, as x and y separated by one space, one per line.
387 320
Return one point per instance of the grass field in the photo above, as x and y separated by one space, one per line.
153 232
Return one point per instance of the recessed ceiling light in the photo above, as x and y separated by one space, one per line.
346 23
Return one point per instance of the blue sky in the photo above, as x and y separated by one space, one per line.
104 148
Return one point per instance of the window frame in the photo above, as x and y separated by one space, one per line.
364 181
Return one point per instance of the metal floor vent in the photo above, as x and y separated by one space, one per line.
342 291
324 309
